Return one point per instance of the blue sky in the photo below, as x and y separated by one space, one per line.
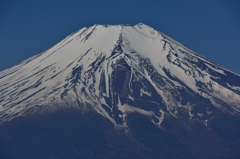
209 27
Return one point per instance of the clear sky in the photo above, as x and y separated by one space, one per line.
209 27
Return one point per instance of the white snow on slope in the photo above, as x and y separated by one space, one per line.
150 44
43 79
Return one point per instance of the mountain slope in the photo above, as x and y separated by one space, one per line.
114 68
131 91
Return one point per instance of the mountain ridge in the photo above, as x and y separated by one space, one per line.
119 91
72 72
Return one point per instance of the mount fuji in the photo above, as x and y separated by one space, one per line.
119 91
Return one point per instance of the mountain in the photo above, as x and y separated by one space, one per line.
119 91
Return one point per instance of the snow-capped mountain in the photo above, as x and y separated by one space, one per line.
119 91
116 70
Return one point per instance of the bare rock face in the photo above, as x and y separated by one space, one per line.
110 91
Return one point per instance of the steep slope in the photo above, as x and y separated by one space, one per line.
119 91
116 70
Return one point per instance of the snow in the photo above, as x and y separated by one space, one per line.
215 69
233 87
42 79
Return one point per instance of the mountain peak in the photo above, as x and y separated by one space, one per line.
120 69
119 90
